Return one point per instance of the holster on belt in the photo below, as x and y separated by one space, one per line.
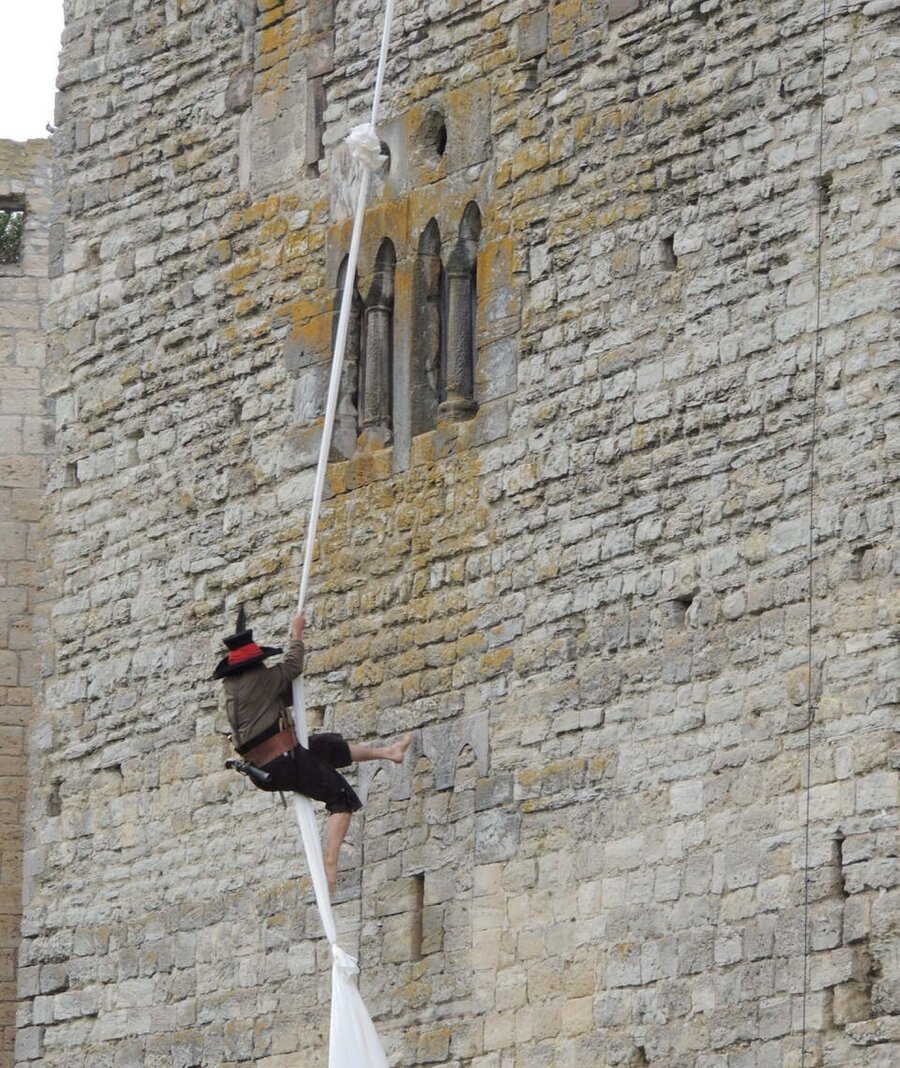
272 748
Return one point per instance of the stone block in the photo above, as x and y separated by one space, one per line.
659 960
398 896
851 1003
499 1030
239 93
321 15
29 1043
831 968
9 668
879 791
686 798
533 31
578 1016
774 1017
497 835
623 965
320 55
493 792
20 472
618 9
433 1045
497 370
400 939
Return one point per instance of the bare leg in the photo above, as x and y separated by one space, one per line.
335 831
395 752
338 822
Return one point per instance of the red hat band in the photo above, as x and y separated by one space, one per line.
246 652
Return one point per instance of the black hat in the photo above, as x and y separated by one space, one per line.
243 652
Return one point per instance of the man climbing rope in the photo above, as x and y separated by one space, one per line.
256 702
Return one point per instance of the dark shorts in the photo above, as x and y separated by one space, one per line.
313 772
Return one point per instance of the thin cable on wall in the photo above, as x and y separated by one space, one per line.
811 703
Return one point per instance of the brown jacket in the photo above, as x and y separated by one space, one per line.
255 698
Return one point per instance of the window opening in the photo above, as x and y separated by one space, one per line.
315 122
347 417
377 370
429 312
12 223
417 934
678 609
434 134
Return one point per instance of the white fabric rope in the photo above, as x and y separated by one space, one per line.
360 140
365 147
353 1040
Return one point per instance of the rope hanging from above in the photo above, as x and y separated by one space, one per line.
353 1041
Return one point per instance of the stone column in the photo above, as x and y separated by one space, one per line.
376 408
376 375
460 392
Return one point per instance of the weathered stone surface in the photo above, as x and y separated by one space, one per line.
533 35
26 434
590 599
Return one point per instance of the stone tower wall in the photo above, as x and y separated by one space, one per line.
25 442
590 596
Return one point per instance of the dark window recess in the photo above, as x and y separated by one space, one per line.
347 419
71 478
12 222
417 934
667 253
678 610
429 313
838 861
863 561
54 801
319 61
434 134
315 120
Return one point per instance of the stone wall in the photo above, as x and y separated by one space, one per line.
589 596
25 442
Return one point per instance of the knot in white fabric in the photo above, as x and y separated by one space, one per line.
365 147
344 961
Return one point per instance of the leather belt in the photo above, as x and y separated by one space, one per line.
272 748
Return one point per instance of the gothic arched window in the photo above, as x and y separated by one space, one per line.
427 331
347 422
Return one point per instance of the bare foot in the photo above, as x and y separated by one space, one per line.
397 751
